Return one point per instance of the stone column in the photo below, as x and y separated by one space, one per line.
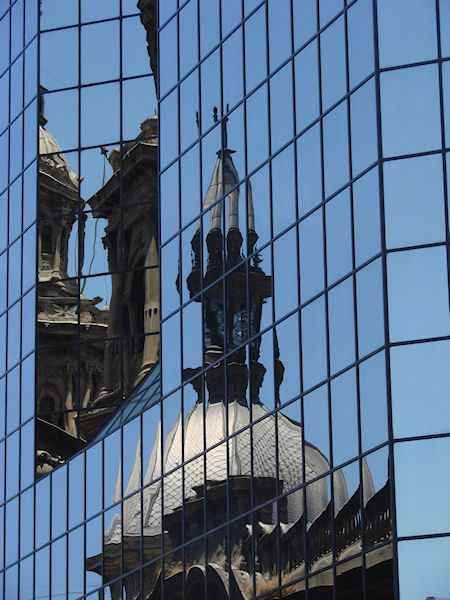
69 417
151 303
109 378
89 386
56 248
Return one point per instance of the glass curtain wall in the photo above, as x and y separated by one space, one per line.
304 222
224 330
18 184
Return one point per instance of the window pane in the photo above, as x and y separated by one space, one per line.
332 50
314 343
363 127
366 214
373 401
360 41
423 568
344 413
410 116
418 294
339 236
420 388
311 255
341 323
306 86
415 495
407 33
335 149
414 201
309 170
369 293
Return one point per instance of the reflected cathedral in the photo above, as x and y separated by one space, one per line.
237 478
232 453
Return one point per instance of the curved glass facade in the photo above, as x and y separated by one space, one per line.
224 328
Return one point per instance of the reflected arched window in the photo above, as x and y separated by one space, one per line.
47 239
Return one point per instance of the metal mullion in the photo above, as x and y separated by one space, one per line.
442 115
76 395
224 200
264 504
5 499
181 313
278 152
355 309
161 360
327 320
236 27
238 517
277 465
33 484
19 465
202 261
21 278
324 569
293 311
71 88
121 269
84 523
332 285
79 219
211 51
141 505
249 335
299 312
391 473
102 510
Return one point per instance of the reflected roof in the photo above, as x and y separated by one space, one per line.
54 161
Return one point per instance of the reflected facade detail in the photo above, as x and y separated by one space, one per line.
224 331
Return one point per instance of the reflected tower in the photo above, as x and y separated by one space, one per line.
68 376
128 201
275 494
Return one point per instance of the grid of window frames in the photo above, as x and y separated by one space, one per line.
264 415
337 114
18 150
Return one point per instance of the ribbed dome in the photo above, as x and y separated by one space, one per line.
239 460
54 162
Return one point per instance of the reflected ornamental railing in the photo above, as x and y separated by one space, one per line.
375 518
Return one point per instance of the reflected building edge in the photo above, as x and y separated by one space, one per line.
80 385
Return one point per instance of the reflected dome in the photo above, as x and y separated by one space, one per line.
54 163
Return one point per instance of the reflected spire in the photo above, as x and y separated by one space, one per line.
228 327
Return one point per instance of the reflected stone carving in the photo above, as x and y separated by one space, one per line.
67 374
147 9
81 385
129 203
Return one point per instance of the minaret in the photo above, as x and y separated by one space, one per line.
233 305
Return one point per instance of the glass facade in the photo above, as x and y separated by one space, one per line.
224 326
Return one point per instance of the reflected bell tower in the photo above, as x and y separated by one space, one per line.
231 290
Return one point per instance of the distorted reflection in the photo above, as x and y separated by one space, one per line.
229 489
314 521
79 385
92 348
